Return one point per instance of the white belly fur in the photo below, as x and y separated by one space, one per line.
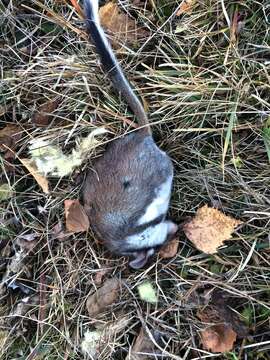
150 237
160 203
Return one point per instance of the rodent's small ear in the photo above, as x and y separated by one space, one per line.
140 258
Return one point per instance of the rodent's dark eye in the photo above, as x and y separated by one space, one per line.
126 184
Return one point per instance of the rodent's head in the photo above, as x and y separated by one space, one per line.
148 242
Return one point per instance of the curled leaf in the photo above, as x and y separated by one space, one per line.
76 218
209 229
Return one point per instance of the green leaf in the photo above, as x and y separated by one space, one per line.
5 192
147 292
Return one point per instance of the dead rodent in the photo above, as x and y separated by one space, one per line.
127 192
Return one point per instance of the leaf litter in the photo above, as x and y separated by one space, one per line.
160 66
224 323
105 296
23 244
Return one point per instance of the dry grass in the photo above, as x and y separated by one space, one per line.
208 94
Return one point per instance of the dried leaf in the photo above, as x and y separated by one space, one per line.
147 292
143 344
100 275
9 136
123 28
218 338
6 192
170 249
103 297
209 229
226 324
76 218
44 115
40 179
186 7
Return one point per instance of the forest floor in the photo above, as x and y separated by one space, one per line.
202 72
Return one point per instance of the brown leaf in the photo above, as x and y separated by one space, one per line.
40 179
218 338
76 218
9 136
123 28
186 7
209 229
44 115
104 297
170 249
143 344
